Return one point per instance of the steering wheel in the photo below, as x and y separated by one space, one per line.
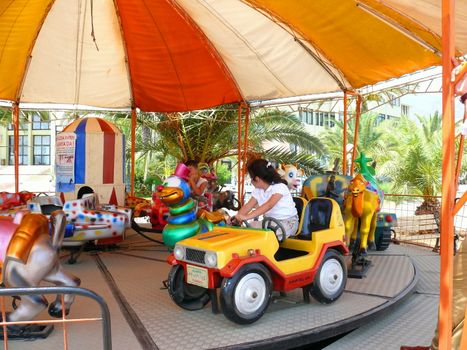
234 222
273 224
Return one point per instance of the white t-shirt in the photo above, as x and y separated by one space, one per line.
284 208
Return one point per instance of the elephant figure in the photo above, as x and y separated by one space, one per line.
360 207
30 255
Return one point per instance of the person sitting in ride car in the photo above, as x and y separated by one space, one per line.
271 195
197 183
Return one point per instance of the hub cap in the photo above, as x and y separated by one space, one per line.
250 293
331 276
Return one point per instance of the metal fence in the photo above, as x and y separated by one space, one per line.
418 219
64 321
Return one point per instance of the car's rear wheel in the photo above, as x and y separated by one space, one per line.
246 296
185 295
384 239
330 280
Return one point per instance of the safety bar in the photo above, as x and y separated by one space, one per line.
105 314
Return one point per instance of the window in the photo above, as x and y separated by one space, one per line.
306 115
332 120
38 124
405 109
23 150
41 150
395 102
380 118
22 126
321 119
300 113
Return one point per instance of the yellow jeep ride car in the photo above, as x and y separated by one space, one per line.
249 264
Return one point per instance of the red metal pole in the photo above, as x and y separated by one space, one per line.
16 143
240 180
344 138
355 135
448 181
133 146
245 148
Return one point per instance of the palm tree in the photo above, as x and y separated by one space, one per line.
209 136
417 167
372 139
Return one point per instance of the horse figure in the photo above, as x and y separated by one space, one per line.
182 221
361 205
30 255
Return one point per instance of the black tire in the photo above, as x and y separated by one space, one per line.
185 295
254 279
330 280
384 239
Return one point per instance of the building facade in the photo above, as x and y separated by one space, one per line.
36 154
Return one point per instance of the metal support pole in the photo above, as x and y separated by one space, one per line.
344 138
16 143
240 179
245 148
448 181
355 134
133 147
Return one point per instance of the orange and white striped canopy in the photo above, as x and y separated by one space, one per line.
179 55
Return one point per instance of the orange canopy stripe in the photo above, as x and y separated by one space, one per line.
20 21
172 65
338 27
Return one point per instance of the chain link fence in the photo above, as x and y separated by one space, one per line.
418 219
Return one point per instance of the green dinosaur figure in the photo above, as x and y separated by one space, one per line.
366 170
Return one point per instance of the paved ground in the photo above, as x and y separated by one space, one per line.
413 321
144 317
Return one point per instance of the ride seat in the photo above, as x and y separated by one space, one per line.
300 205
317 216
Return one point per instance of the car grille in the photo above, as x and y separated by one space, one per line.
194 255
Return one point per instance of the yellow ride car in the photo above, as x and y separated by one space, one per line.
249 264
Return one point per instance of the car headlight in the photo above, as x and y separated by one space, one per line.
210 259
179 252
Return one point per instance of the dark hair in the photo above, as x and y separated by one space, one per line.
192 162
265 171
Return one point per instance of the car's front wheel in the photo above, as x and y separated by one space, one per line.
330 280
185 295
246 296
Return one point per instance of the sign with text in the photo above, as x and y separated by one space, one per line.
65 162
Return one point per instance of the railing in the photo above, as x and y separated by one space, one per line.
418 219
105 315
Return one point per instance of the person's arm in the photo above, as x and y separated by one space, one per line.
262 208
197 191
459 74
244 210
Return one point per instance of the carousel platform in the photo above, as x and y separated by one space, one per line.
383 306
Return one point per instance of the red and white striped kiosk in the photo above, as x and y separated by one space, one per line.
90 157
